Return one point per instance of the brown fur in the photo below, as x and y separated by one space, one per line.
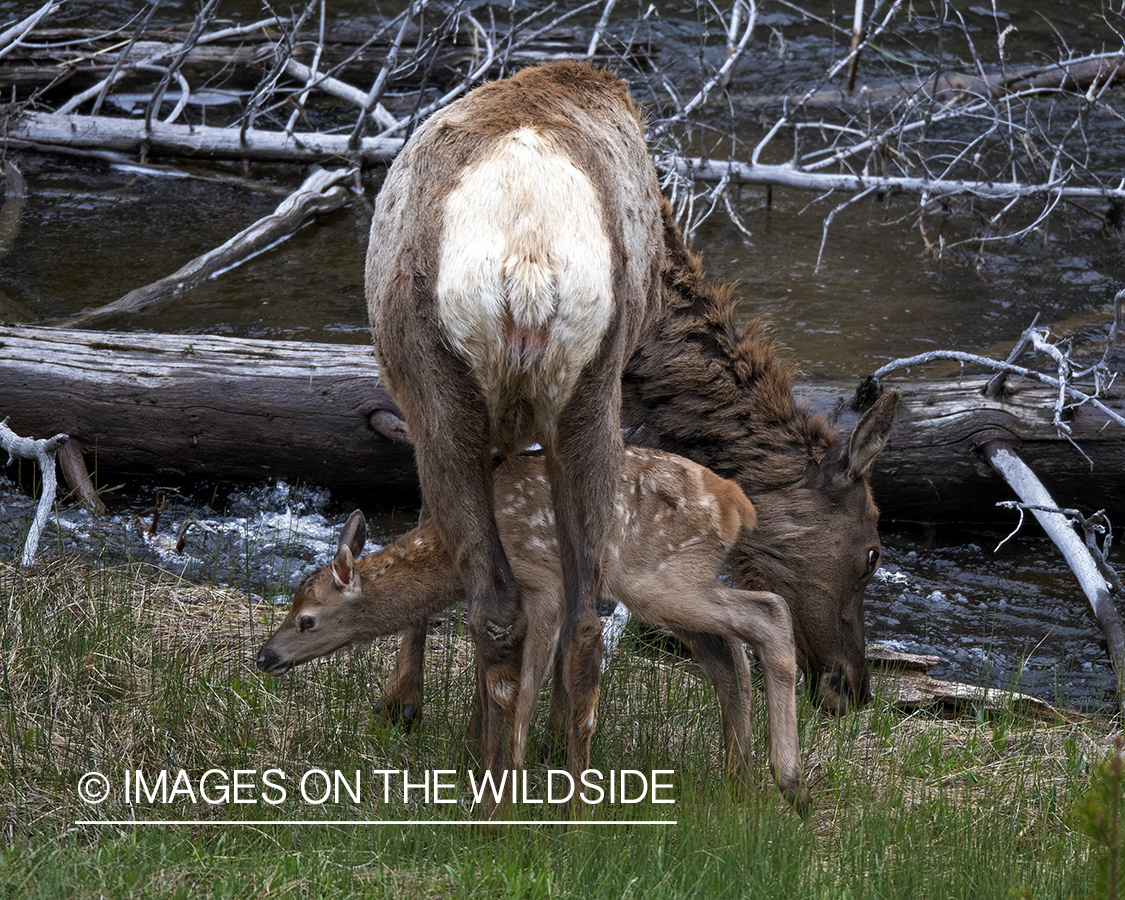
701 385
718 392
675 524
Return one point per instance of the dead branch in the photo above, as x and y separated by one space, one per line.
1031 337
319 194
43 452
994 133
44 131
1004 459
10 38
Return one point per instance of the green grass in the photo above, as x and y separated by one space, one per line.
114 670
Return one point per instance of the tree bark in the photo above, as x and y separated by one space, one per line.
191 407
231 409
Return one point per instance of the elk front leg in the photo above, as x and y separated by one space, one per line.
724 662
402 694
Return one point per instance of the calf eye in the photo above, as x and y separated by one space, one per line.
305 623
872 562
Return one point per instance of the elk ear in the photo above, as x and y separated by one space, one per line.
870 435
352 538
354 534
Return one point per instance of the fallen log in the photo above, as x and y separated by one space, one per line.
192 407
45 131
216 408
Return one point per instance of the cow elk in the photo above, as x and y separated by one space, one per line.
696 382
674 525
514 260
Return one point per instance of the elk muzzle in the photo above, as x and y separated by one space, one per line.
271 663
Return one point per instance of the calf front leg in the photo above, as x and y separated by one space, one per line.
402 694
724 662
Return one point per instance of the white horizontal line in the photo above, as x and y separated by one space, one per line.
355 822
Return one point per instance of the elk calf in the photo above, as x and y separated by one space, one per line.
675 523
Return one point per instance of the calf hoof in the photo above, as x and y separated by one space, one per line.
797 793
391 713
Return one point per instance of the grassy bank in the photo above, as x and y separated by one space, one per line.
118 672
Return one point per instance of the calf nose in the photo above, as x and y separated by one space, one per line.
266 659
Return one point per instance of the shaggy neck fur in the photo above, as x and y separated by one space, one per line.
738 415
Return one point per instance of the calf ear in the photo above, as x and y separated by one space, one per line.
352 538
343 568
870 435
354 534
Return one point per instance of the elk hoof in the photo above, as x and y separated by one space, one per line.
391 713
797 793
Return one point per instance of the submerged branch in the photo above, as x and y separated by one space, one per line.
319 194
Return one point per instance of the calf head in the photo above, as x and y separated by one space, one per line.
817 545
324 615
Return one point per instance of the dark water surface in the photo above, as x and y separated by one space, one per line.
92 232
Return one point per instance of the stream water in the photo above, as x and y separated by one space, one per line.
1009 617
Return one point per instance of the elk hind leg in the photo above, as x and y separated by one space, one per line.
724 662
583 467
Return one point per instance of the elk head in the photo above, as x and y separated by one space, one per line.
817 544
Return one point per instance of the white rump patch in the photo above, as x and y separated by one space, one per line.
524 285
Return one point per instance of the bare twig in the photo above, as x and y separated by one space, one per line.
43 452
592 48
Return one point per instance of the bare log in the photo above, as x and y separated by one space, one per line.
320 193
1004 459
246 410
188 407
43 452
44 131
790 176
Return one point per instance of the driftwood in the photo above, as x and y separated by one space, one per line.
44 131
1004 459
320 193
43 452
909 686
230 409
